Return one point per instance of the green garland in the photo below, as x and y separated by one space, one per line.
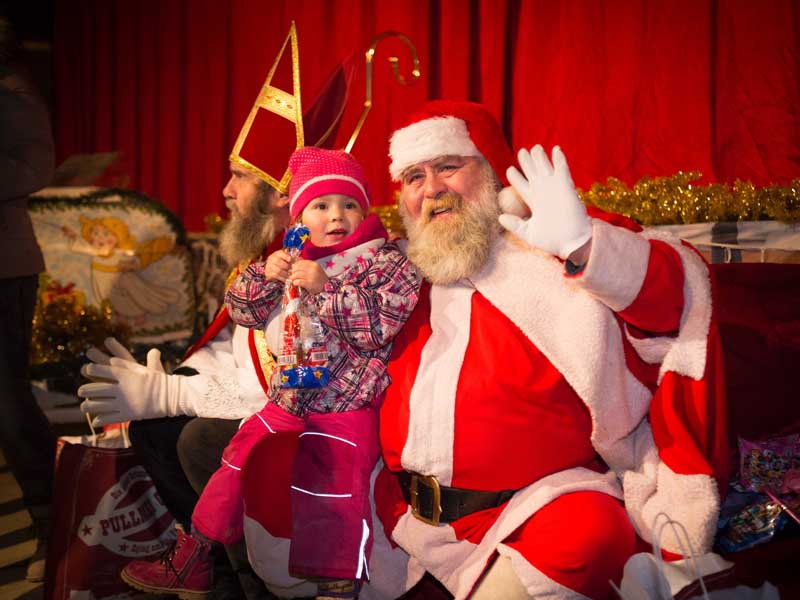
113 199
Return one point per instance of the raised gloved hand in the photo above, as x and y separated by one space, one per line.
124 390
559 223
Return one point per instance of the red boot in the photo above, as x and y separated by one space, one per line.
185 569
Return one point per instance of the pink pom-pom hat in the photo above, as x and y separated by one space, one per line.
317 172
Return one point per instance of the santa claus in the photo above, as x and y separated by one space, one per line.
555 392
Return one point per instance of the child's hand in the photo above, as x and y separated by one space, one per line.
278 265
309 275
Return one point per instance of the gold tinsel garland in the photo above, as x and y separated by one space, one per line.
64 326
390 216
676 200
673 200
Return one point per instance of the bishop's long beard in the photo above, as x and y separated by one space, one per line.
451 248
246 237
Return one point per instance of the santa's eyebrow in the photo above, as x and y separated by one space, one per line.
434 162
410 171
450 158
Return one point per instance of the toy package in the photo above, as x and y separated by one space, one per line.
302 355
764 502
770 464
757 523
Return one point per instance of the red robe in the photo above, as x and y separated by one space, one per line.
523 378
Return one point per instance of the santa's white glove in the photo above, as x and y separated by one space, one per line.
124 390
559 223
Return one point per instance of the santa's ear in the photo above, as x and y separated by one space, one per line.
512 203
282 201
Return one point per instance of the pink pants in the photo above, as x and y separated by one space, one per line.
331 517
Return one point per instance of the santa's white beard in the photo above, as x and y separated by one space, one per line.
246 237
451 248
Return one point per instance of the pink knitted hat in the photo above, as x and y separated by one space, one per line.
317 172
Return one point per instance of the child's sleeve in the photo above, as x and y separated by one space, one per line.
251 297
369 310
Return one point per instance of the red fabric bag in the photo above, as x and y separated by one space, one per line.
105 513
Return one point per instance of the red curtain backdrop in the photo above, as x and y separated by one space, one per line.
629 88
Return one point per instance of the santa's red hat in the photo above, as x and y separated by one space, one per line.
447 128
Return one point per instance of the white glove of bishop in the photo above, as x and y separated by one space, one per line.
114 347
123 390
559 223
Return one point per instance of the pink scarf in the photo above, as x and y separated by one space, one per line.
369 229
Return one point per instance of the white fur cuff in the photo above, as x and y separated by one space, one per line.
429 139
617 265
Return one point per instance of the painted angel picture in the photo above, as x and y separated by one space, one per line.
118 260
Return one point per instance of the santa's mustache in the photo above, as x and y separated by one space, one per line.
450 201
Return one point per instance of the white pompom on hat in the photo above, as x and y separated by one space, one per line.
448 128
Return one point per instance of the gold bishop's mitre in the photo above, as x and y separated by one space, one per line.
274 127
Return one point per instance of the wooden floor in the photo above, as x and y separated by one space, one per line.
16 541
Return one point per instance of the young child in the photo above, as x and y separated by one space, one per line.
363 289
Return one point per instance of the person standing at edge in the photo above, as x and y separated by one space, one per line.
26 165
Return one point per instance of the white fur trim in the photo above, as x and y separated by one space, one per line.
650 350
500 581
227 386
617 265
652 488
687 353
269 557
436 548
575 331
537 584
615 277
429 139
429 447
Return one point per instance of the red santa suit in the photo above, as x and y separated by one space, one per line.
522 378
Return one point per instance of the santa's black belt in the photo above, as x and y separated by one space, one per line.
434 503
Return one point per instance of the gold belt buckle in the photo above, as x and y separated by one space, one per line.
428 481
